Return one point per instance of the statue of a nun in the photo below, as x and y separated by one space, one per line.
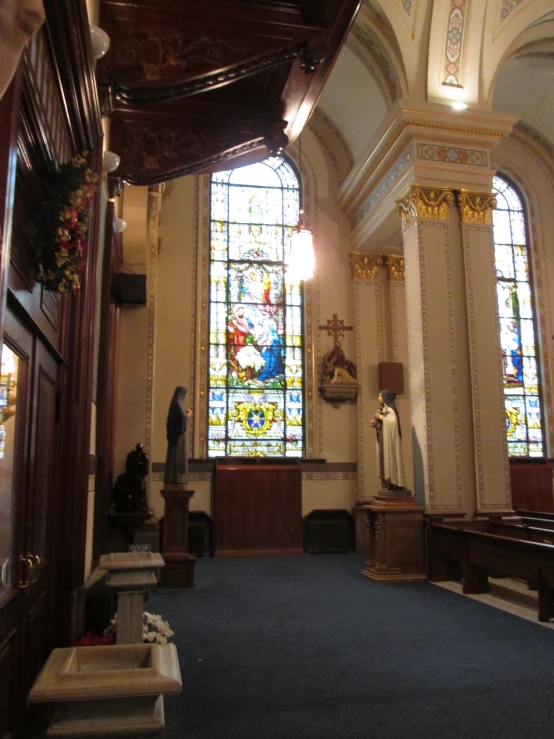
389 443
176 462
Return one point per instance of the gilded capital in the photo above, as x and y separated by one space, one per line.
476 207
365 266
425 202
395 268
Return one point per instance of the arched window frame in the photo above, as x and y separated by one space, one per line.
287 450
523 437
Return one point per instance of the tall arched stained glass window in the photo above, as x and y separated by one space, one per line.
517 325
255 393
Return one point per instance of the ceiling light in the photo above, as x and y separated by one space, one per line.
458 105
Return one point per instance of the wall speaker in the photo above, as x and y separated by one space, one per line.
129 289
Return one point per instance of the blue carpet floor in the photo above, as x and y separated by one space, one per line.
306 648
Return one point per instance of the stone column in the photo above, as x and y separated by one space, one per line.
455 375
490 446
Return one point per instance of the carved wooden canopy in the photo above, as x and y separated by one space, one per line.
199 86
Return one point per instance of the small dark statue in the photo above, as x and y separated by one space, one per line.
176 462
129 494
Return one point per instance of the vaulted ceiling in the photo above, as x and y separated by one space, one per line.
194 87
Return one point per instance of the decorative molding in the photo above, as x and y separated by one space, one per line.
452 155
476 207
351 476
155 193
334 143
394 320
507 7
365 266
368 266
203 380
153 73
198 394
422 295
407 6
425 202
453 367
360 403
396 131
383 185
454 42
151 156
395 268
360 43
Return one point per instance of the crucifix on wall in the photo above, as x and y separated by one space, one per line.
338 383
335 327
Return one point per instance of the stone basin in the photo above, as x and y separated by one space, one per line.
131 561
110 671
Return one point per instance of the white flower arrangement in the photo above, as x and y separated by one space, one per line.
154 628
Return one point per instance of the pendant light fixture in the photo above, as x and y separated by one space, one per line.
301 254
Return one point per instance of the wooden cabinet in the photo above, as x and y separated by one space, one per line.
257 506
531 481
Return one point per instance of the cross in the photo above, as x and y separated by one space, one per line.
335 328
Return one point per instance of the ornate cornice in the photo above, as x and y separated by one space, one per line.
425 202
476 207
365 266
395 268
368 266
466 139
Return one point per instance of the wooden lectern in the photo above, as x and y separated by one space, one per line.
179 564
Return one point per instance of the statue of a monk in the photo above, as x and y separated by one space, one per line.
176 462
389 443
136 469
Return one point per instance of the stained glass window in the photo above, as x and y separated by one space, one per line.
517 325
255 403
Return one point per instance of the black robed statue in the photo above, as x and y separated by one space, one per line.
176 462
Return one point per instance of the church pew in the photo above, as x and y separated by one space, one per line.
542 523
522 531
524 513
480 555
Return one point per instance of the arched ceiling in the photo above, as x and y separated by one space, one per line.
352 100
525 87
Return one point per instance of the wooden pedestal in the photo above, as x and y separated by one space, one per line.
179 564
396 539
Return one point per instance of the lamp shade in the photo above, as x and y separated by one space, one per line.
301 260
119 225
110 161
100 41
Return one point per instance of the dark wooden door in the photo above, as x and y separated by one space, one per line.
28 435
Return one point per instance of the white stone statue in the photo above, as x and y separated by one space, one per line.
386 421
19 20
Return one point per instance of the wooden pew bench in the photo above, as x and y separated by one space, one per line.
481 555
522 531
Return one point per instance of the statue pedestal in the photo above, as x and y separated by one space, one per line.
179 564
396 538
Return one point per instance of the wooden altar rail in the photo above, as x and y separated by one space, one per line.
481 555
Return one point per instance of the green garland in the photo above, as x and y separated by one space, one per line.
61 226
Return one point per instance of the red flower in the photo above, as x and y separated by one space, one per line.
90 639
